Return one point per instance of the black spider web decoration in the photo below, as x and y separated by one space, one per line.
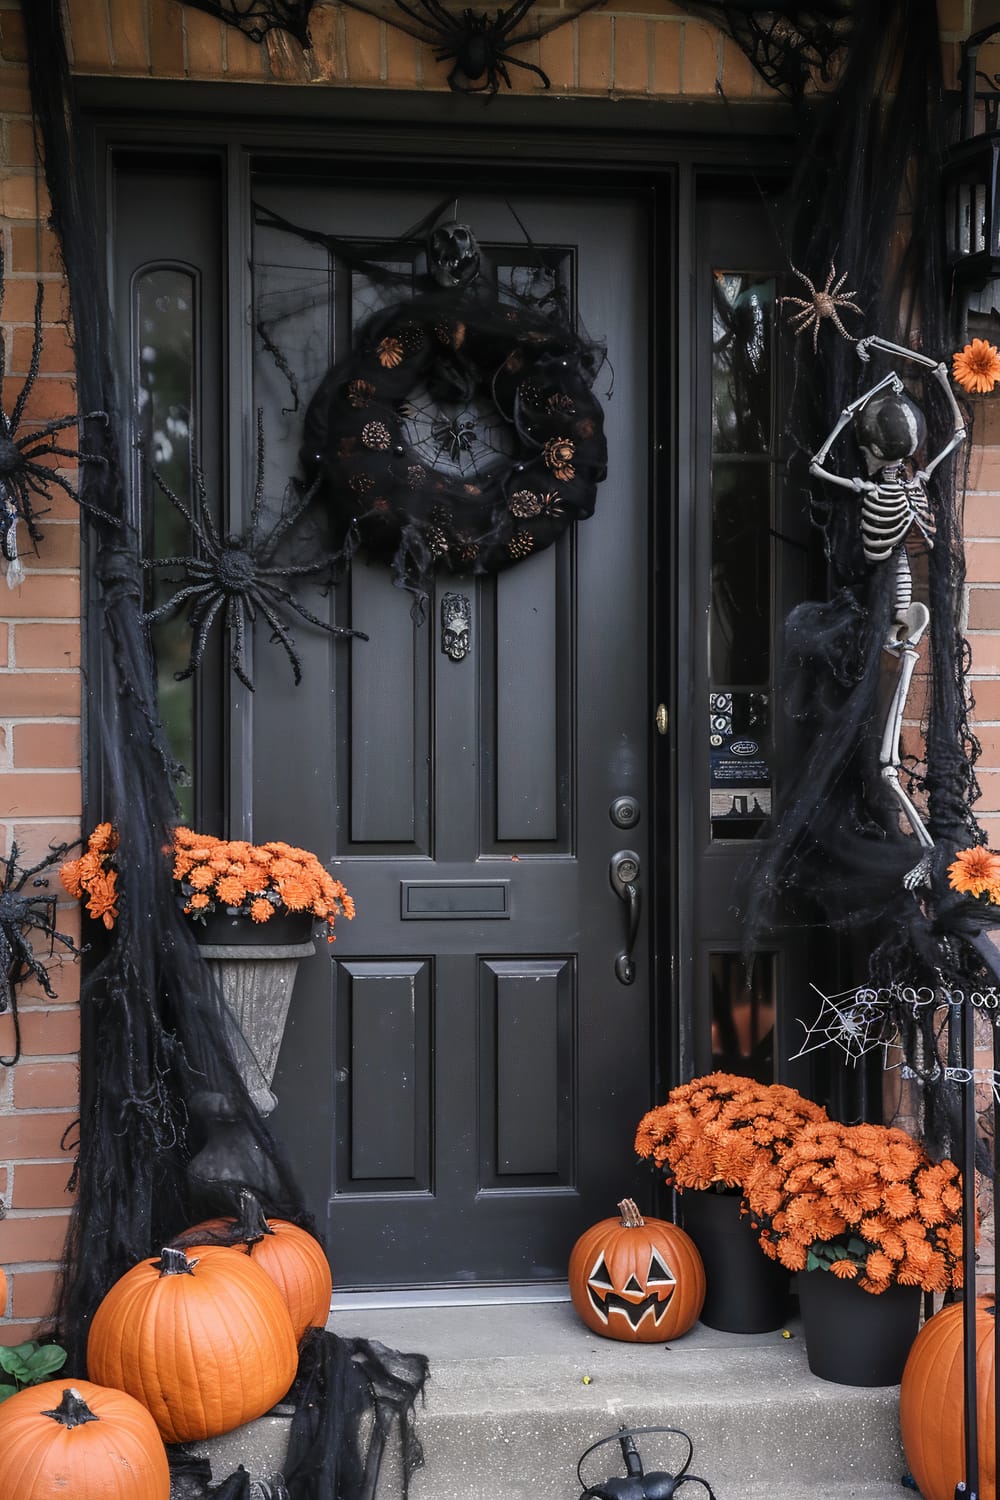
237 576
255 18
790 46
462 437
25 477
26 908
856 1022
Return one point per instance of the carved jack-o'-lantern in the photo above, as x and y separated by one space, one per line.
635 1279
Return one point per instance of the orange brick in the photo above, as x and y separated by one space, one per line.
34 1293
4 1183
666 58
4 637
44 596
15 96
90 36
35 250
128 41
31 1136
13 44
56 356
982 562
984 609
632 55
738 74
204 44
46 745
37 645
986 691
985 653
166 38
364 47
46 1086
244 58
62 973
981 516
953 16
23 196
23 147
40 695
58 549
39 1238
52 398
557 56
42 1184
401 56
25 794
700 59
19 299
36 840
286 60
594 53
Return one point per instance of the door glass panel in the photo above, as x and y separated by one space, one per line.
743 1014
742 584
163 364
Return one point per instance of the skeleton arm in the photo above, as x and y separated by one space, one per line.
940 372
816 466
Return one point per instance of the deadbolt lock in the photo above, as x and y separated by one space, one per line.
624 812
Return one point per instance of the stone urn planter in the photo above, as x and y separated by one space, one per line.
256 979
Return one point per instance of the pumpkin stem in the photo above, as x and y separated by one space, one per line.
630 1216
72 1410
174 1263
252 1225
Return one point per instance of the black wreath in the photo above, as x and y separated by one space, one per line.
531 371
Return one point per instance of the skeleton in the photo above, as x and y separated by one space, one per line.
890 428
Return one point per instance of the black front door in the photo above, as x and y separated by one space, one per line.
460 1088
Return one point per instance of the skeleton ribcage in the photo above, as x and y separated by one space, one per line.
887 516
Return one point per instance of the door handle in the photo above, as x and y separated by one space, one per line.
624 874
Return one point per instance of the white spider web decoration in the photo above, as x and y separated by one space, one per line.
857 1021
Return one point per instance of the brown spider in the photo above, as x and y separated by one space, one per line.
821 305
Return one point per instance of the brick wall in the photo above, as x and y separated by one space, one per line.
640 48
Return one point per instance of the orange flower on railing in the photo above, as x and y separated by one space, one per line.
95 875
713 1131
253 880
864 1202
976 872
977 366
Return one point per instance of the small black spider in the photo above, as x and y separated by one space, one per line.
238 573
454 436
24 477
24 910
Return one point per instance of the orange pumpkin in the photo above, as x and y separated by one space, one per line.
931 1403
85 1440
206 1344
294 1260
635 1279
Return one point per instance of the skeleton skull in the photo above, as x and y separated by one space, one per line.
456 623
453 255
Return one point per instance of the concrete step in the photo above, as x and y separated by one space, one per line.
517 1393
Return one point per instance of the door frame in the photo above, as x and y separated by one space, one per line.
663 153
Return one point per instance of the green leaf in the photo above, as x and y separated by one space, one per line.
857 1247
813 1262
44 1362
7 1390
15 1360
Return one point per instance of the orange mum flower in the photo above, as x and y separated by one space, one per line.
261 910
974 870
231 890
846 1269
977 366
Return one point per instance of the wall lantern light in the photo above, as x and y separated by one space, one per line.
972 197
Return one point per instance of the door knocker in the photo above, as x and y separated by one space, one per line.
456 625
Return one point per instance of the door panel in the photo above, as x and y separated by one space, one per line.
459 1088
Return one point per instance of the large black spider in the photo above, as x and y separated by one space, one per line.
238 573
23 476
24 910
478 40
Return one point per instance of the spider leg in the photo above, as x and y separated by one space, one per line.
235 626
271 592
840 327
797 301
171 562
36 354
57 854
283 635
173 604
505 57
60 424
438 17
258 488
199 530
803 277
801 320
205 622
288 517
